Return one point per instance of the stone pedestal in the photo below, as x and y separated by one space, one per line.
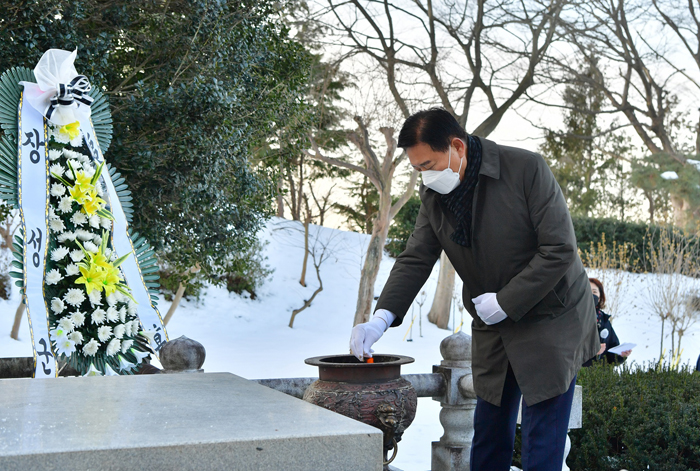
203 421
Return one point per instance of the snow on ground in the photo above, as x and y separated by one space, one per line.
251 338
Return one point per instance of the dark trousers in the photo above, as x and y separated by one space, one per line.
544 428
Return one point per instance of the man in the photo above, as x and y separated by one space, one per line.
501 218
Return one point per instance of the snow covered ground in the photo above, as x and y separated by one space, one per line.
251 338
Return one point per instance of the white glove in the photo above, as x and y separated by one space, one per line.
365 335
488 309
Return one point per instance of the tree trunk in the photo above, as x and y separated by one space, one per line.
680 211
18 320
307 302
302 280
176 303
280 194
380 229
440 310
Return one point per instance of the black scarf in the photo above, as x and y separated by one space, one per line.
459 200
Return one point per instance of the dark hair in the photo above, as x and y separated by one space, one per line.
601 298
435 127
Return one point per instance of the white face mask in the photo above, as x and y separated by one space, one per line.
442 181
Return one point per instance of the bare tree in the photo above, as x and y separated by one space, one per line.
381 174
474 58
319 246
637 76
673 256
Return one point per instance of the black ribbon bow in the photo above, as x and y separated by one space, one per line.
76 90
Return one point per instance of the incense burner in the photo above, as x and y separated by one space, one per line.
373 393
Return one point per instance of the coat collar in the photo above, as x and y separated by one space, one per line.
490 162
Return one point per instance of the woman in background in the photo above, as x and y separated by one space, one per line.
608 337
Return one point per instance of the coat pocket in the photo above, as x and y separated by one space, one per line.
550 306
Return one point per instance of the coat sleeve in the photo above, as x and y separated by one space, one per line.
556 242
412 268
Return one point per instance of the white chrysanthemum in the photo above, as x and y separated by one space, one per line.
91 347
106 223
59 253
100 190
56 225
112 299
77 255
75 165
55 154
97 240
72 269
89 170
135 328
57 305
58 189
84 235
66 324
122 314
121 298
114 347
132 309
66 204
90 247
95 221
52 213
126 345
98 316
119 331
95 297
61 138
64 236
104 333
74 296
77 141
78 319
108 252
71 154
53 277
65 346
57 169
112 314
76 337
78 219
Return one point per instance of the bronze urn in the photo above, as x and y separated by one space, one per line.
373 393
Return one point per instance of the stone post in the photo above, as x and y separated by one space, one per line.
182 355
451 453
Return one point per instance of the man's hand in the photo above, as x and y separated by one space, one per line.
602 349
488 309
365 335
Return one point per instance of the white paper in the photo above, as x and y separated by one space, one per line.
622 348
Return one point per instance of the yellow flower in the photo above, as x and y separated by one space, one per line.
92 203
92 278
78 194
71 131
84 182
99 260
111 280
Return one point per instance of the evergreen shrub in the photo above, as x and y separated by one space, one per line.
636 419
